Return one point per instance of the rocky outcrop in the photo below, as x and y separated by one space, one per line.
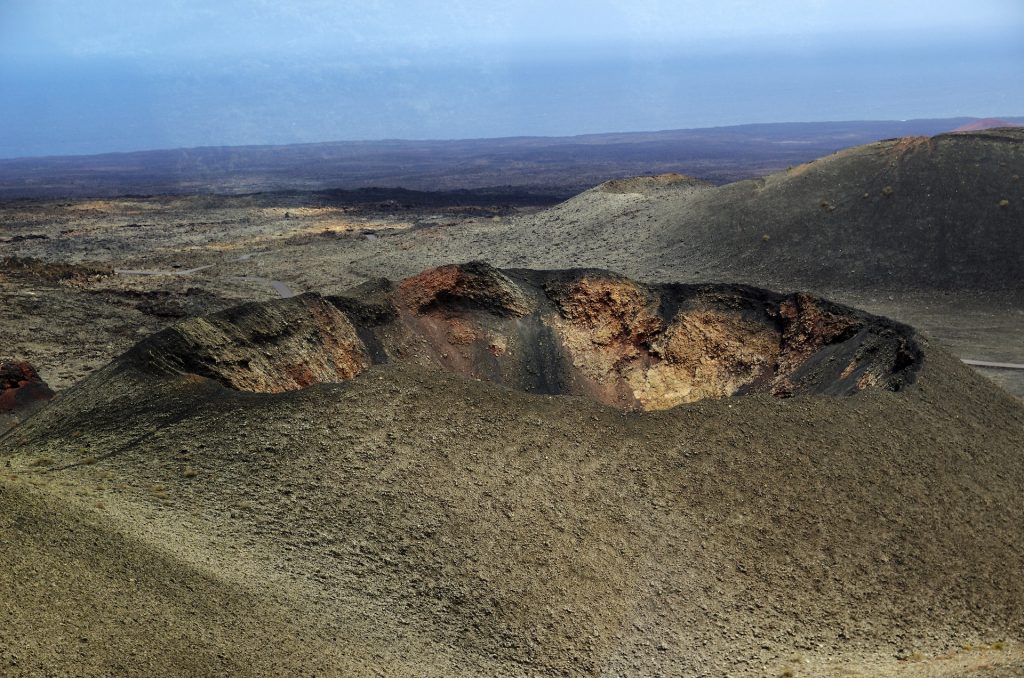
655 347
20 386
585 333
464 287
270 347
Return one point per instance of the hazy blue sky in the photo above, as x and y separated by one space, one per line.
84 76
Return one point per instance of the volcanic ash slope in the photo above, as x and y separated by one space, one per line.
936 214
480 472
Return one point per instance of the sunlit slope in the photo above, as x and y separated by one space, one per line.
945 213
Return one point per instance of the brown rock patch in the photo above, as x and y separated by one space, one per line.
20 386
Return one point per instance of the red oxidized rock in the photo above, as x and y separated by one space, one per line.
20 385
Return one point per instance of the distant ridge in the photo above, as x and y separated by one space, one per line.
520 166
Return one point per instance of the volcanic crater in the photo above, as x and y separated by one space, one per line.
587 333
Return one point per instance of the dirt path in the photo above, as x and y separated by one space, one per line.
281 288
187 271
987 363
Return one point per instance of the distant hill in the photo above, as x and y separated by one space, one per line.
984 123
939 213
542 166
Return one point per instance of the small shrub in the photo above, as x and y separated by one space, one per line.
189 472
888 191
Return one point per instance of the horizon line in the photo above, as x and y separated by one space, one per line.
166 149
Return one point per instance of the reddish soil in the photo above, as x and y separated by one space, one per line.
20 386
984 123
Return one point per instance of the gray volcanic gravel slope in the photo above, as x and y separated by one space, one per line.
417 522
943 213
